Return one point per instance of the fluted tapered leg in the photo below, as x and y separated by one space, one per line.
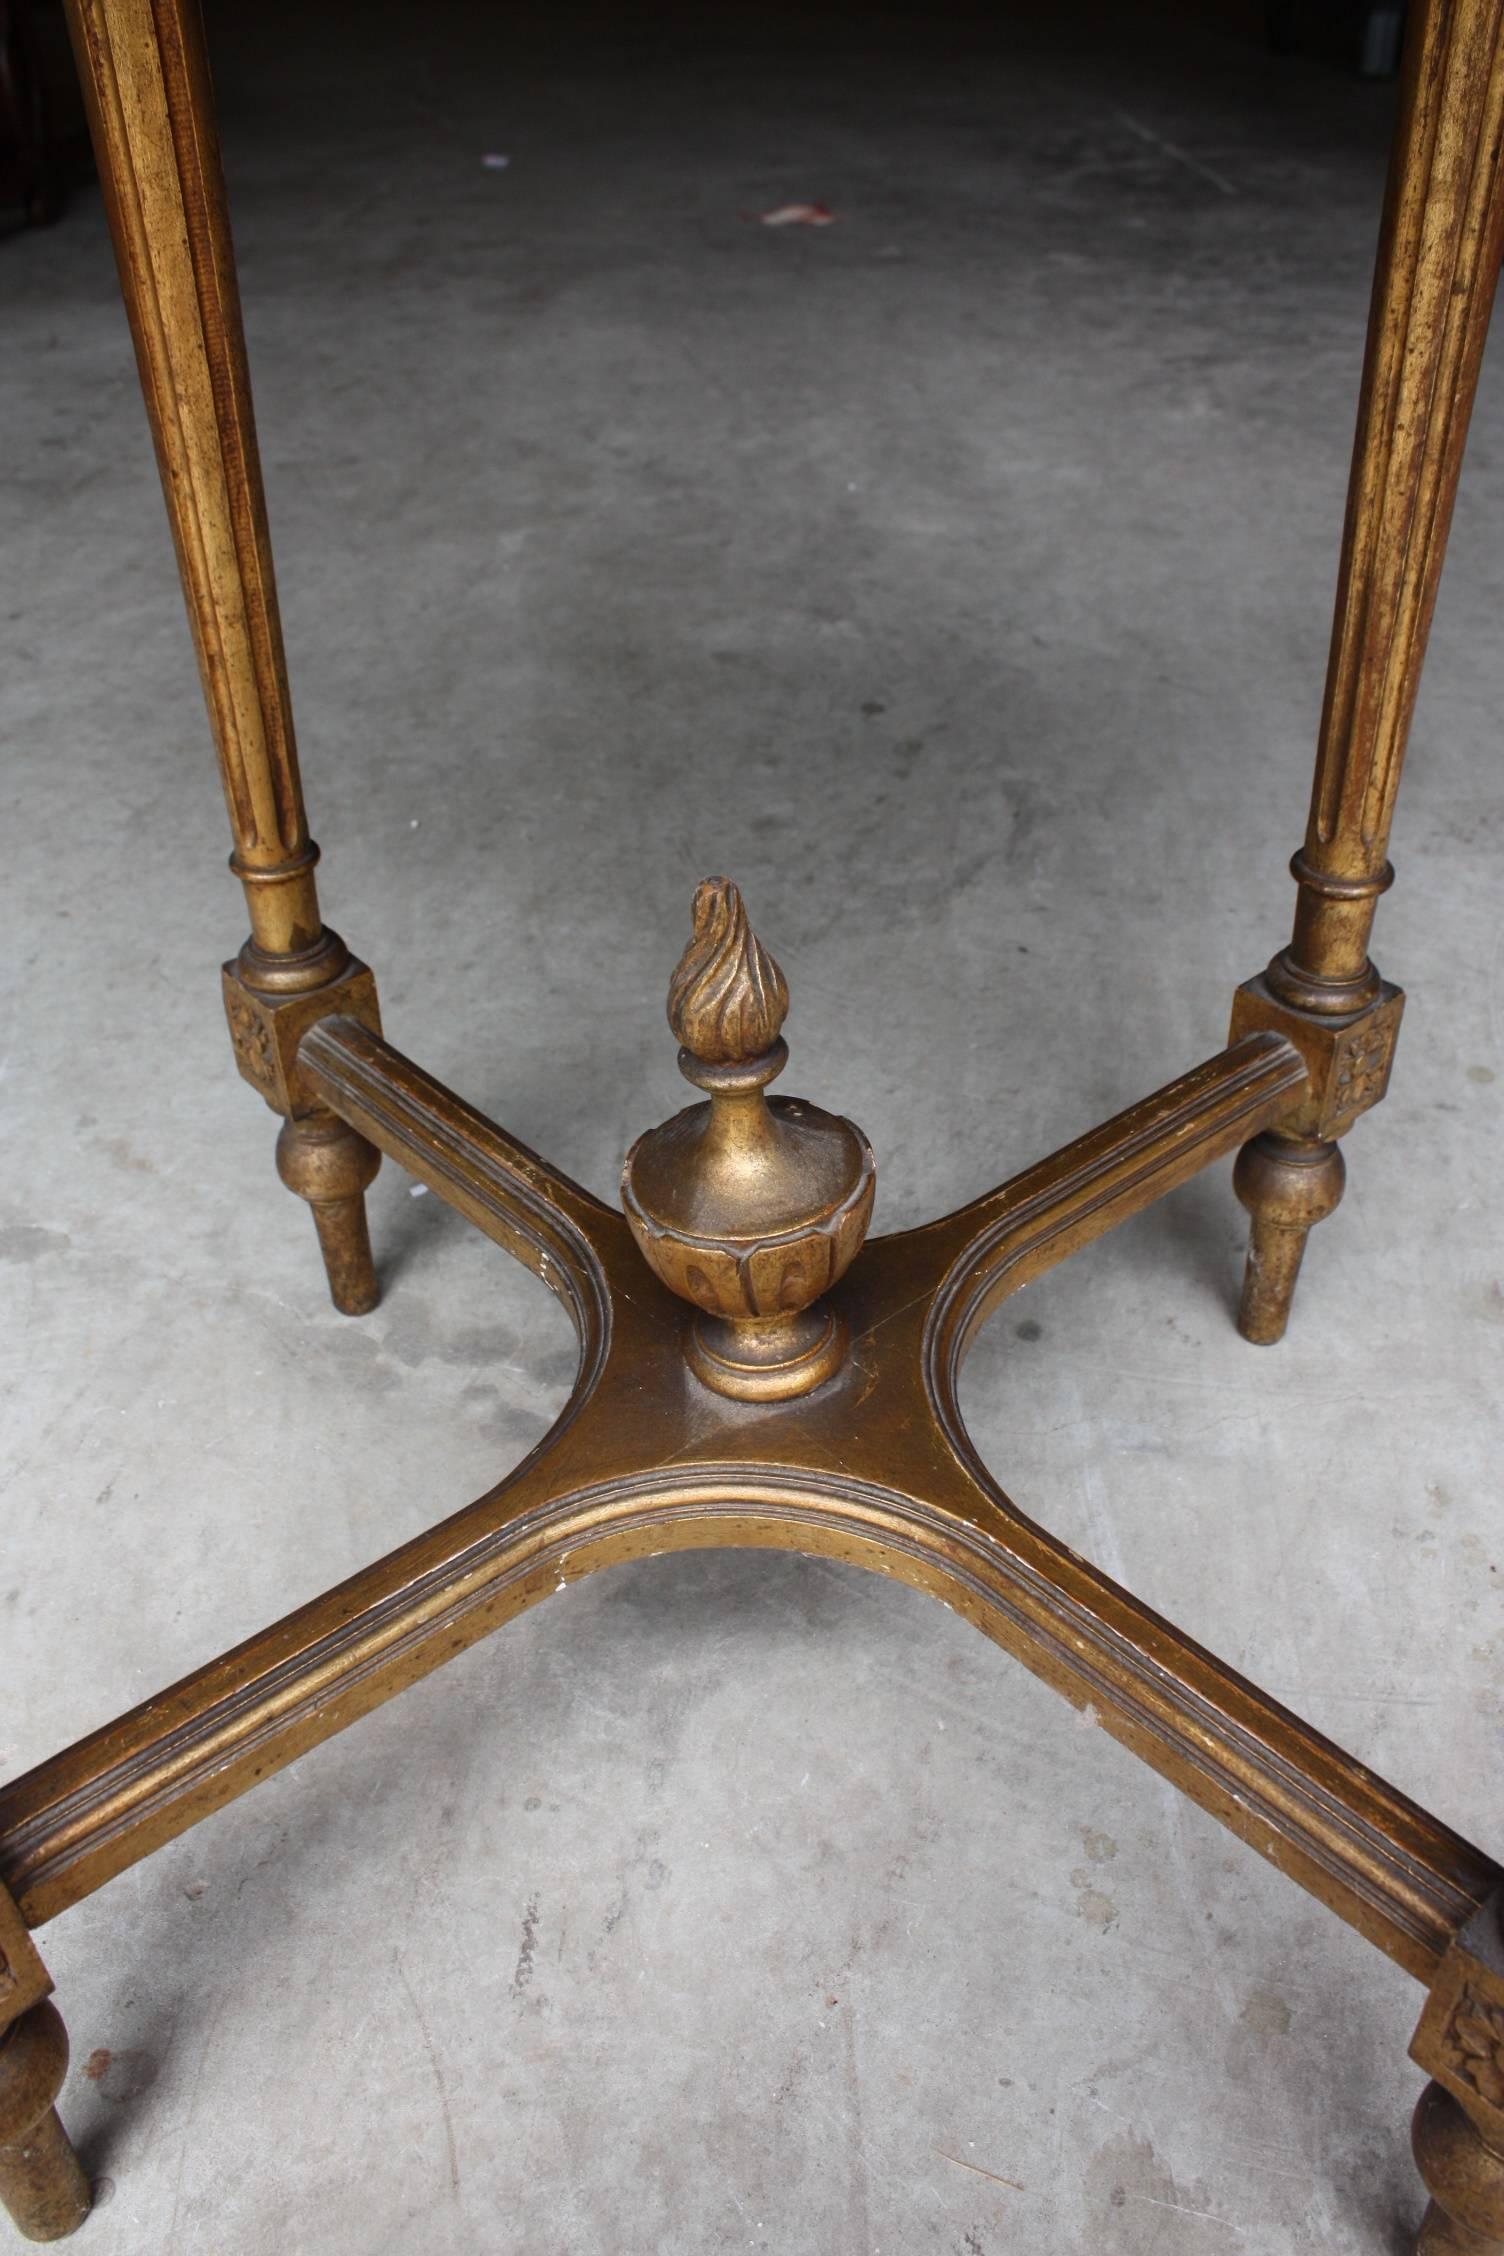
146 83
1438 262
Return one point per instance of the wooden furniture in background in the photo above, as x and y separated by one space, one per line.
738 1271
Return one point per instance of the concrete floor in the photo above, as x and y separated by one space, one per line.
958 577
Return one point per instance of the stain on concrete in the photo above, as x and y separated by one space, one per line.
413 1336
1100 1847
121 2075
1266 2014
1469 1548
29 1241
1097 1909
653 1870
124 1155
528 1952
359 1355
1152 2212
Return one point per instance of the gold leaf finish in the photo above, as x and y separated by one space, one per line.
769 1379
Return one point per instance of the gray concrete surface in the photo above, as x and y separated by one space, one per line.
959 577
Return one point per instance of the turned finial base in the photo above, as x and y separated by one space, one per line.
767 1358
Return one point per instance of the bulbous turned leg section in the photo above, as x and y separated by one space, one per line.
42 2183
326 1162
1464 2176
1288 1184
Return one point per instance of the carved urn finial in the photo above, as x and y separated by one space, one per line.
749 1207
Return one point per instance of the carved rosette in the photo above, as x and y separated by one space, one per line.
1475 2045
271 1003
24 1980
252 1038
750 1208
1348 1059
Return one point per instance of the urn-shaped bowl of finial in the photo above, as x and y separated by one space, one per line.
747 1206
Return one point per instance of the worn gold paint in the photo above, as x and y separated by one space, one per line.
673 1435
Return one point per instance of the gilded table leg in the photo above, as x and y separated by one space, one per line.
1287 1183
1458 2131
1464 2176
1433 290
329 1165
146 82
41 2178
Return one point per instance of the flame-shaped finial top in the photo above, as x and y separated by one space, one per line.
727 998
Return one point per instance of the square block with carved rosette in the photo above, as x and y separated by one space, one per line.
266 1030
24 1980
1460 2036
1348 1059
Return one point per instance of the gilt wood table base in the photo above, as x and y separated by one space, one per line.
750 1371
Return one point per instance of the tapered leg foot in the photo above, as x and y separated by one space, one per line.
327 1163
1464 2176
1288 1184
271 1001
42 2183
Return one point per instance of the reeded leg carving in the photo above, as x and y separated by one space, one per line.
41 2178
1464 2176
146 83
1288 1184
1433 290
